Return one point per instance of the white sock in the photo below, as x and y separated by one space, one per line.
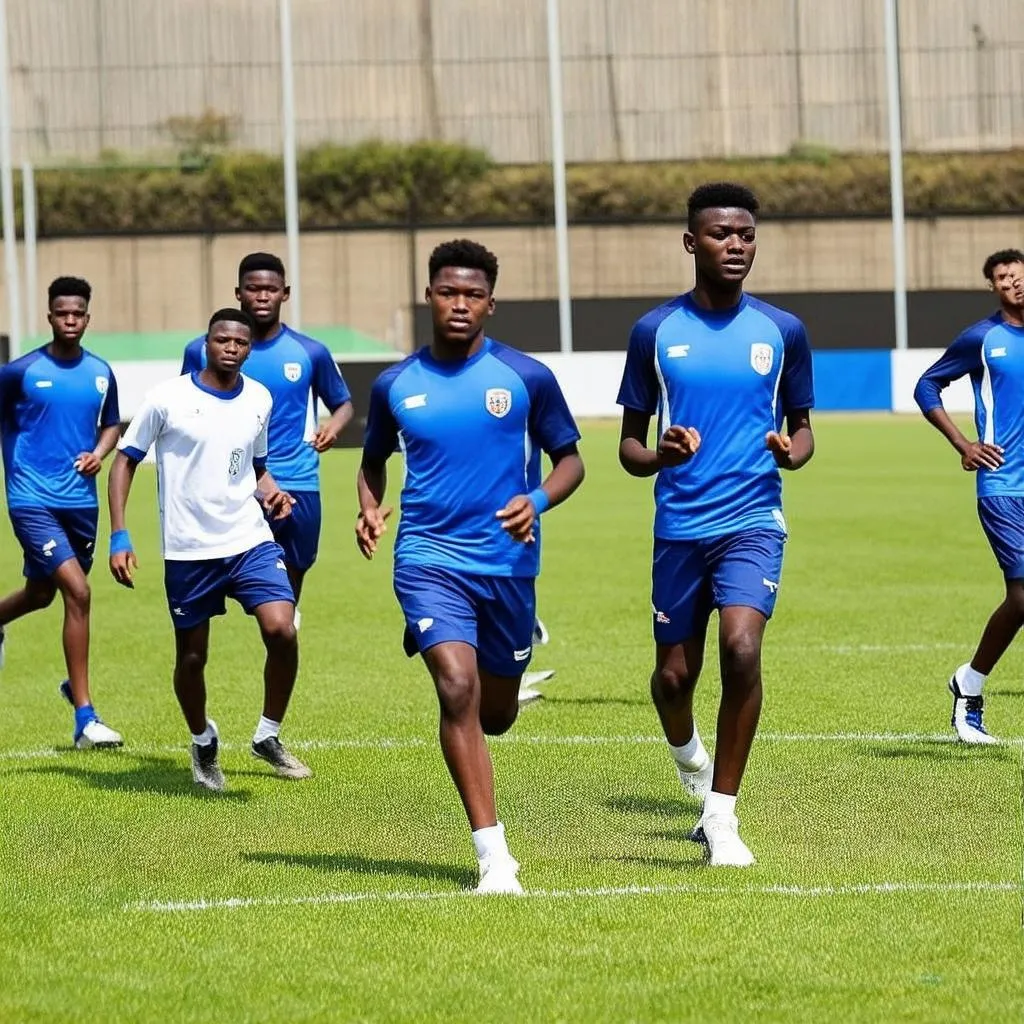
719 803
691 755
490 842
969 680
267 727
207 736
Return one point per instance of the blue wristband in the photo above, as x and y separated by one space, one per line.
540 500
120 542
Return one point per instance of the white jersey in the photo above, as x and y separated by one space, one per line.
206 444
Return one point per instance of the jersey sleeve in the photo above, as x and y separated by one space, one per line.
110 410
381 437
550 422
260 445
639 387
796 389
963 356
328 384
11 377
144 429
193 360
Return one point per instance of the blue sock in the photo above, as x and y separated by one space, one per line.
83 716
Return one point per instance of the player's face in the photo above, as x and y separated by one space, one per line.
261 293
227 346
1008 283
69 317
723 244
460 301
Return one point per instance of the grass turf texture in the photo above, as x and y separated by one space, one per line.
888 581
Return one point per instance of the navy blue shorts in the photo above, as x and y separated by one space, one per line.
693 577
1002 519
299 534
494 614
49 537
196 591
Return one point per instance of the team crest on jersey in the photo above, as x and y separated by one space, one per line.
498 401
761 357
235 465
102 384
292 371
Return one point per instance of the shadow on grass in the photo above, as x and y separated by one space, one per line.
161 775
359 865
1004 693
600 701
931 750
693 863
652 805
674 835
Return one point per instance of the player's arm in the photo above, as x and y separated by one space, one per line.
330 388
795 447
276 503
962 357
89 463
123 562
676 446
380 442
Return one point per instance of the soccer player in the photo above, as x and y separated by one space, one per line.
471 416
991 352
298 372
721 369
60 419
210 432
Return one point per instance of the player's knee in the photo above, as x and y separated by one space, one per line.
456 690
192 662
495 721
741 655
280 634
1015 602
77 596
672 683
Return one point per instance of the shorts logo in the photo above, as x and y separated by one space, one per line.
178 611
498 401
523 654
772 585
424 624
762 356
292 372
49 547
280 565
102 384
235 465
662 618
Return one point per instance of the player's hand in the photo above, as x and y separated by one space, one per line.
780 445
370 525
517 519
325 437
678 445
277 504
122 568
979 455
88 463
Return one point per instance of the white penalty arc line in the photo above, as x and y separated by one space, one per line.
791 891
415 743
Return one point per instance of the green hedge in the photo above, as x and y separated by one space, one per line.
436 183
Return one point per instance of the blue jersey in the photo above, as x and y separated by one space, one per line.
471 433
298 372
992 353
733 374
52 410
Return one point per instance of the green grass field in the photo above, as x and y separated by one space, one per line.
888 884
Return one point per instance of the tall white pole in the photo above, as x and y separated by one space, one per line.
31 229
899 232
558 172
12 286
291 172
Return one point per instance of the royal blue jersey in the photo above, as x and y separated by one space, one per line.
298 372
51 411
471 433
992 353
733 374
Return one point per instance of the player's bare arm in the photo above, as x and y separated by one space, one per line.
122 473
794 448
519 515
89 463
371 522
276 502
676 446
331 430
974 455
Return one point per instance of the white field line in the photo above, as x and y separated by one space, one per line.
415 743
797 891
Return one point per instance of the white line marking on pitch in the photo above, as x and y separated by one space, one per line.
803 892
413 742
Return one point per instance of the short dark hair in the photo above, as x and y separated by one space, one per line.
1003 256
233 315
461 252
260 261
65 286
719 195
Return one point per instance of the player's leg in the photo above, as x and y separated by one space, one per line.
299 538
745 572
1002 519
681 603
195 594
260 583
